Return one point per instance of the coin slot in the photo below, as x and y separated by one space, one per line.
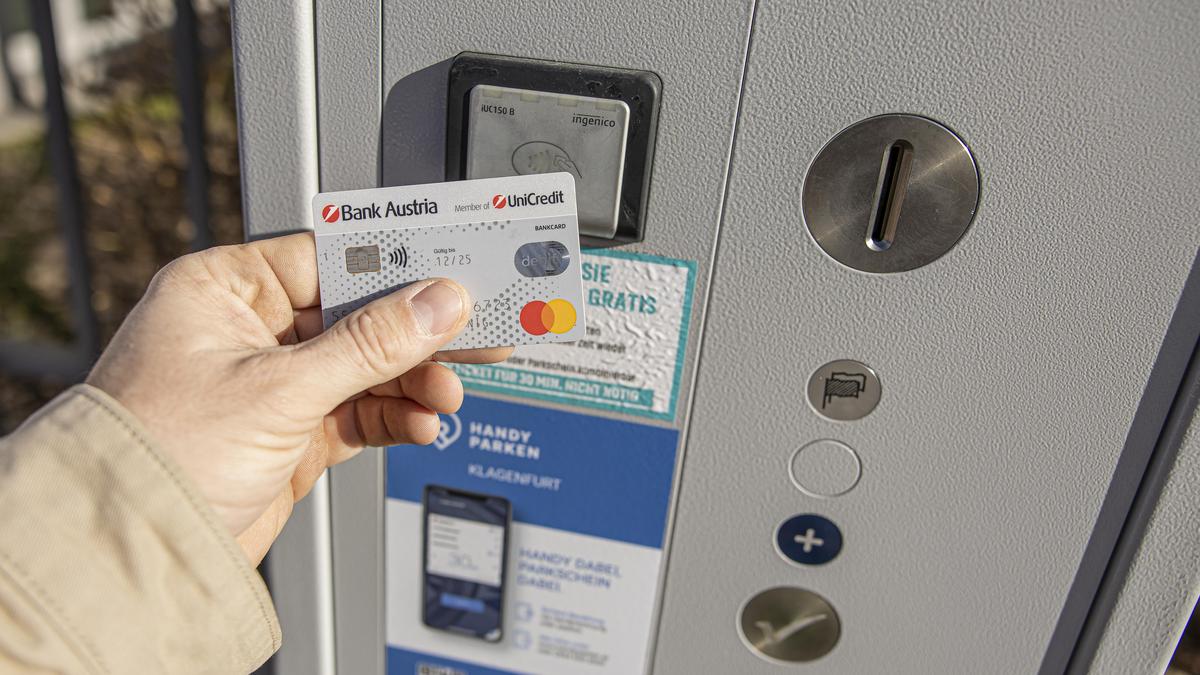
889 195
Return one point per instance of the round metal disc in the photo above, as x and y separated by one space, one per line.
789 624
938 195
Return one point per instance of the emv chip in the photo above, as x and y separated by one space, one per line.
361 259
521 131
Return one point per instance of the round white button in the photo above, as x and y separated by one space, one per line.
825 468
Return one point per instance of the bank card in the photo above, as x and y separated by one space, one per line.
512 242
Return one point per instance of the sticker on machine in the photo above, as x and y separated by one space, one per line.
631 358
576 594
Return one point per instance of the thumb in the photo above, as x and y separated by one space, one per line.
381 340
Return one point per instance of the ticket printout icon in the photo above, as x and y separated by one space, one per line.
843 385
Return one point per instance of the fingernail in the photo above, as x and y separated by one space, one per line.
437 307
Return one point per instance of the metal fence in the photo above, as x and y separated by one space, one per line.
69 362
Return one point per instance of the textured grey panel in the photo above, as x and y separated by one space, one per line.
1164 581
300 578
1162 420
356 494
1011 368
277 114
348 92
273 50
348 109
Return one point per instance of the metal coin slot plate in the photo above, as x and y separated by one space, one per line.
890 193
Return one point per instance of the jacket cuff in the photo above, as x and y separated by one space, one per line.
117 551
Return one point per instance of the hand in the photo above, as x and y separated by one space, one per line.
224 362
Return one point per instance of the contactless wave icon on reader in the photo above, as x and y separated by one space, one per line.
556 316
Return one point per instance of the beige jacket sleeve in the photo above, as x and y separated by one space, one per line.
110 562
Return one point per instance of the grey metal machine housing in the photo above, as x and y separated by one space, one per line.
1028 492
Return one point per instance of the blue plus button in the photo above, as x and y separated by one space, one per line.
809 539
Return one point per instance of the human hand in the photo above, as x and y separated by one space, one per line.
224 362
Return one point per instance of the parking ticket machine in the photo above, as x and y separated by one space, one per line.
891 354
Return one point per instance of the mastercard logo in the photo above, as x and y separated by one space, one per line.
556 316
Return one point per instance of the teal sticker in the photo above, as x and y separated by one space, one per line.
631 359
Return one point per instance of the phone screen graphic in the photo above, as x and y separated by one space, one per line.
466 545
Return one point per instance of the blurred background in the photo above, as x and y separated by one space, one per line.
114 160
118 153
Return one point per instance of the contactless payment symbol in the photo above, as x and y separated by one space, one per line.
499 201
556 316
330 213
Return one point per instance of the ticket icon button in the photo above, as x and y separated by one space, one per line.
844 390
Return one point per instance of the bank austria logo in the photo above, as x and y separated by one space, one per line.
416 207
331 213
556 316
450 431
499 202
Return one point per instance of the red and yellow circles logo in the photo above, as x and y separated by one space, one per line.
556 316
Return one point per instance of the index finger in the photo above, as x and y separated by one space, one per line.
292 259
273 277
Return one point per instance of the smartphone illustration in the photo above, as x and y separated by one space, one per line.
465 548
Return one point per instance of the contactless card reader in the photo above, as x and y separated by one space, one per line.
520 131
510 116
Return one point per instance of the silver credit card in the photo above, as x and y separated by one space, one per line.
513 243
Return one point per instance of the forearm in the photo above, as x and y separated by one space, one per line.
109 560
